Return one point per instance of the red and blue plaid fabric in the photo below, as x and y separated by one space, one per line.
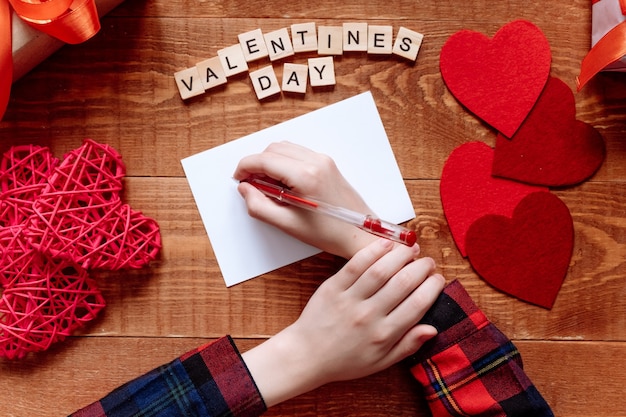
210 381
470 368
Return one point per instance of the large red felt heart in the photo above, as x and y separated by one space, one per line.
528 255
80 216
469 191
498 79
551 147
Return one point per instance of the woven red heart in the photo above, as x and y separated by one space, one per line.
24 172
44 299
80 216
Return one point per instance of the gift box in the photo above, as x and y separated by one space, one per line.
31 46
30 31
608 40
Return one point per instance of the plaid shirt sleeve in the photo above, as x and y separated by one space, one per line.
209 381
471 368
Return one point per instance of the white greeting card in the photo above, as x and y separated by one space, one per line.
350 131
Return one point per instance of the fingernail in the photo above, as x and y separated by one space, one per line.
440 278
385 243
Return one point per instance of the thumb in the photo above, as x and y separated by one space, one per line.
260 206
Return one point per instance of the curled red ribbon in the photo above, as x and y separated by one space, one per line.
610 48
71 21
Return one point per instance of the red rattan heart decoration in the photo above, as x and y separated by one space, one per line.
57 220
44 299
24 172
80 215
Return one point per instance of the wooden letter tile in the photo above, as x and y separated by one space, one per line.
295 77
188 83
355 36
379 39
330 40
253 45
322 71
279 44
265 82
211 72
304 37
232 60
407 43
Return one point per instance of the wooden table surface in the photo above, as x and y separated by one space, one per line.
118 88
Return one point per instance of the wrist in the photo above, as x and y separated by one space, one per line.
280 368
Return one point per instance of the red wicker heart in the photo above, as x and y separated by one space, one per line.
80 215
24 172
57 220
44 299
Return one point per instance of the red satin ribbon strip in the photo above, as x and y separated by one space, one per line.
75 24
37 10
71 21
609 49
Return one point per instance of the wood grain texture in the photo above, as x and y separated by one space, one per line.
119 88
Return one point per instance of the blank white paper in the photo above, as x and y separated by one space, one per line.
350 131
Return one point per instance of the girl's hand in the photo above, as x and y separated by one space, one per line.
359 321
313 174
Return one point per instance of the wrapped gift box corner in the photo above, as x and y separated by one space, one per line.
606 15
608 40
30 47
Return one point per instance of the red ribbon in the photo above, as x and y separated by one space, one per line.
610 48
71 21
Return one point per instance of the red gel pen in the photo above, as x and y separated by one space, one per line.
365 222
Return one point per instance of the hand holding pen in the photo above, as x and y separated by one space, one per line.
312 174
365 222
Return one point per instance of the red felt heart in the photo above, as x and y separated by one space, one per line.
80 216
526 256
551 147
498 79
468 191
43 299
